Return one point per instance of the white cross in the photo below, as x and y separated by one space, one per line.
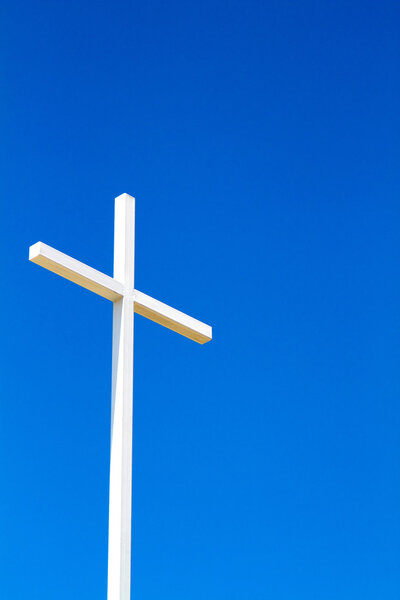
126 300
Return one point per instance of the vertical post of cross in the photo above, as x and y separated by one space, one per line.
119 535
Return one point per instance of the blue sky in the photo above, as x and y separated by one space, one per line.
261 141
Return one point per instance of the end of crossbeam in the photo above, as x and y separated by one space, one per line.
34 251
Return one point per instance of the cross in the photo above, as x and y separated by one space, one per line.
126 300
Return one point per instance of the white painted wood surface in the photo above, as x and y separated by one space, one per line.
76 271
113 289
173 319
119 529
126 300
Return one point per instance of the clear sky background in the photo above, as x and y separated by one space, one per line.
261 141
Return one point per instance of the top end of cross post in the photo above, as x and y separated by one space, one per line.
125 197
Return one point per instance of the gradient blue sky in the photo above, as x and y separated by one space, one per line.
261 141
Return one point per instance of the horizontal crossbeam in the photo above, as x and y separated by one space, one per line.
113 290
171 318
76 271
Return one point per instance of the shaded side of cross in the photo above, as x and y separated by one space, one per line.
126 300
